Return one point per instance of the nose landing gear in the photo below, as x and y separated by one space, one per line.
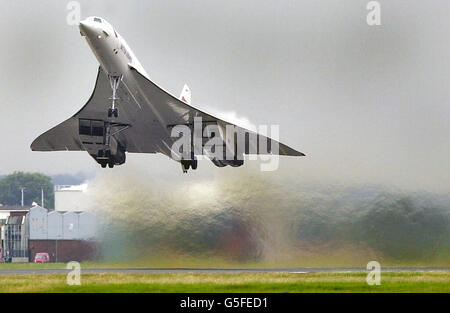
114 81
113 112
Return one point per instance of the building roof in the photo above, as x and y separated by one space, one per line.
78 188
14 220
14 208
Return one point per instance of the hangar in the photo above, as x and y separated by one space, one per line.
65 236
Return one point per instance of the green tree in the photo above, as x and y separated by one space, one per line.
10 189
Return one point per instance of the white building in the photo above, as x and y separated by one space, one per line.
71 198
8 210
55 225
87 225
60 225
70 225
38 222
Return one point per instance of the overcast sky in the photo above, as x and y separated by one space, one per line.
365 104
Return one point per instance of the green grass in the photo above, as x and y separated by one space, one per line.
27 266
199 262
254 282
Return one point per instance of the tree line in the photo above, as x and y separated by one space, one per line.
32 184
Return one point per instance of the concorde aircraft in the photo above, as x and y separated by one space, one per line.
127 112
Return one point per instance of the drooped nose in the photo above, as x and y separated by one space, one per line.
87 29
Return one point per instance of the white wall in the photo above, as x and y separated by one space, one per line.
87 225
55 225
58 225
71 200
70 225
37 219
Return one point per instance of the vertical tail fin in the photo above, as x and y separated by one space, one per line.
186 94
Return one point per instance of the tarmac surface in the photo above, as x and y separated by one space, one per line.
215 270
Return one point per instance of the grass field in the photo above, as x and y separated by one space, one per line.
255 282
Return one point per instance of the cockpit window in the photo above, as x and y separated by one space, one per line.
98 20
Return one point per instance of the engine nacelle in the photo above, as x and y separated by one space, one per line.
223 163
119 156
230 154
112 155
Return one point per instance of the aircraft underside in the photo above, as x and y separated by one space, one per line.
127 112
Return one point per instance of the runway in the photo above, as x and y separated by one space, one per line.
303 270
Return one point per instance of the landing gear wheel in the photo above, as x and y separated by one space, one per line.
194 164
184 166
113 112
103 165
110 164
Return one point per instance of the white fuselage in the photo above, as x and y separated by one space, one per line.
110 49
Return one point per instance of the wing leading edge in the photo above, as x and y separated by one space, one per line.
64 136
176 112
141 113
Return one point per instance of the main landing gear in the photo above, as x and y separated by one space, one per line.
112 153
114 81
104 158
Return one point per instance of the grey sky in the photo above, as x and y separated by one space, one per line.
366 104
